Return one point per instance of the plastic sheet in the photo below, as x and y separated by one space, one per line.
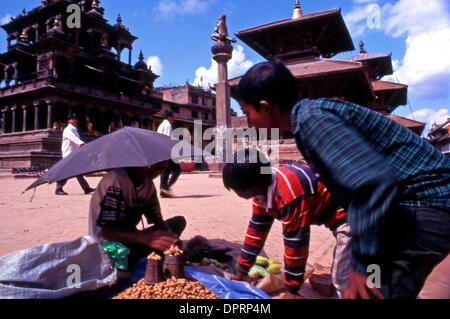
224 288
50 271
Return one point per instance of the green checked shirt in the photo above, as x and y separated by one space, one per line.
371 164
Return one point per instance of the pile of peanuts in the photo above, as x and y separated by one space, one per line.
154 257
170 289
173 251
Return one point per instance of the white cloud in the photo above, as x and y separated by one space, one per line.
425 66
238 65
355 21
366 15
5 19
430 117
413 17
154 62
167 9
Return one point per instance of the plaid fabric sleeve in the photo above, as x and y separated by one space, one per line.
344 159
112 209
153 211
257 232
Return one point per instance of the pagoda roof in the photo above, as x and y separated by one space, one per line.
316 68
24 20
351 75
379 64
326 32
323 68
388 86
415 126
390 94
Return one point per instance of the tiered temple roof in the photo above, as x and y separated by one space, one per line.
307 42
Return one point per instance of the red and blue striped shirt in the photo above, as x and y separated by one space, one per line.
298 200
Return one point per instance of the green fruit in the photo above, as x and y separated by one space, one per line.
257 272
274 268
262 261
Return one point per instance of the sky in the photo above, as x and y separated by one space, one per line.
175 38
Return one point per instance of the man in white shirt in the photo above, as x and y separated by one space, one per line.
171 174
71 142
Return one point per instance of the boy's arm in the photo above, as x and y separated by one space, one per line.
257 232
356 168
296 235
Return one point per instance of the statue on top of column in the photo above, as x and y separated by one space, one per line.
221 30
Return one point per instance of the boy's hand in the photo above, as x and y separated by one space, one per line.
357 287
243 277
240 277
159 239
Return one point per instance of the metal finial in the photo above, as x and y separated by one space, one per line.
362 49
297 10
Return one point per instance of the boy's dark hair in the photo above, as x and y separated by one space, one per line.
270 81
245 173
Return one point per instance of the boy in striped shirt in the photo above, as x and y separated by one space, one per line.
294 196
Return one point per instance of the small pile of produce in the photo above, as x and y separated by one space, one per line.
170 289
173 251
154 256
263 267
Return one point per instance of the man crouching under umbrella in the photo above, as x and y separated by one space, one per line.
123 197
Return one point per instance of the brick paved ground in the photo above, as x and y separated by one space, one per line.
211 211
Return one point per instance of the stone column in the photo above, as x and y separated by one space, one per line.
3 121
119 51
36 116
51 66
16 72
36 32
13 124
25 119
222 53
6 75
130 54
49 114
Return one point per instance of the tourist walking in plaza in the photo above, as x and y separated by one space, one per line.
70 143
171 174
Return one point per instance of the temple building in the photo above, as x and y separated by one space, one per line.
50 70
440 137
307 43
